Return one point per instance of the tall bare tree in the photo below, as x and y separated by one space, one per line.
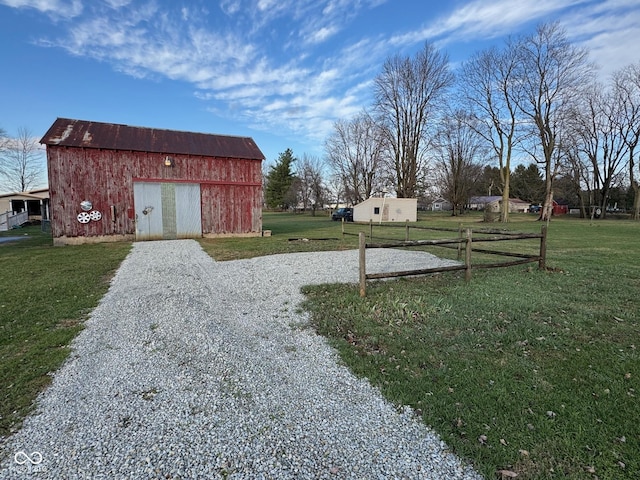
489 90
627 88
578 170
354 151
554 73
602 134
22 161
4 139
408 94
312 189
461 156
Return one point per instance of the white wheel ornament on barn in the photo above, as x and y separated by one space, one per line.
84 217
95 215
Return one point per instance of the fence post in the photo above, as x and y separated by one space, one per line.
406 233
467 256
362 263
342 222
460 243
542 263
370 230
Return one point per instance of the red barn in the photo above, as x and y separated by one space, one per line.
110 182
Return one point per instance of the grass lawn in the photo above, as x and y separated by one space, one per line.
45 295
290 233
519 370
524 371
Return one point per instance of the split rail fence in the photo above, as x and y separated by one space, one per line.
465 243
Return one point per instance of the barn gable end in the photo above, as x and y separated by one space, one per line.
145 183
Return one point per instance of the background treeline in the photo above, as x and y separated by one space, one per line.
531 119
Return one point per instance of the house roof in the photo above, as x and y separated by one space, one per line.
486 199
494 198
86 134
29 195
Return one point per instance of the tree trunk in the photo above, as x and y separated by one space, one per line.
583 208
635 215
547 207
505 174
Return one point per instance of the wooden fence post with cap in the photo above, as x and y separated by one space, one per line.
542 263
467 256
363 264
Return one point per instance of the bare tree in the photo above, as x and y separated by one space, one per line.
578 170
461 156
21 161
312 189
553 75
489 91
4 139
627 88
336 189
354 151
601 135
408 94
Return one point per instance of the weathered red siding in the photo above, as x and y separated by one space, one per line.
231 189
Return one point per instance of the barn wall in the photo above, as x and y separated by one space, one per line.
231 189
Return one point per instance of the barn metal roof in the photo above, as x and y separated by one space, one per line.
86 134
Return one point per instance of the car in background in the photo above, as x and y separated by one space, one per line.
535 208
339 214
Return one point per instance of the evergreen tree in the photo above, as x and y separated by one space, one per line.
279 182
527 183
489 183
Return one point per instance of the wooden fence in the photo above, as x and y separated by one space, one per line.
465 243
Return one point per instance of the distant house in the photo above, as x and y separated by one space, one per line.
560 207
34 202
441 205
32 205
111 182
492 204
384 209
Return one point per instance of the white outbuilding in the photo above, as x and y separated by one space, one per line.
386 210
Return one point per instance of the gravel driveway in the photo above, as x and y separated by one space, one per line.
191 368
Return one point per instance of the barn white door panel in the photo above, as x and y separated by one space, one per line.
188 210
148 207
167 210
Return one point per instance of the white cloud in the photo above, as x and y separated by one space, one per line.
483 19
322 34
275 63
117 3
609 30
54 8
230 7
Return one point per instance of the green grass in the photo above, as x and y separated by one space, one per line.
290 233
534 372
45 295
522 370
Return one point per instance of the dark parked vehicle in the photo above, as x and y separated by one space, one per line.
535 208
346 213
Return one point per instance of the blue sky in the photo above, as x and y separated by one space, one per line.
280 71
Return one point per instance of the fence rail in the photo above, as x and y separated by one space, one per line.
8 220
466 241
